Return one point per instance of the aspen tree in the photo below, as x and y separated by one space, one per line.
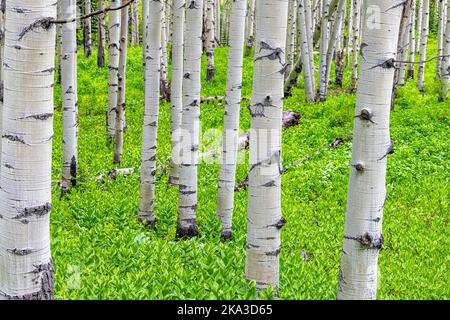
322 83
412 41
264 194
290 37
440 36
176 87
356 31
190 126
249 27
423 44
121 81
69 96
164 82
210 40
87 29
134 23
225 192
371 145
307 75
419 23
113 65
151 109
26 267
101 36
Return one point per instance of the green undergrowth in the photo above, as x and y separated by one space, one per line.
100 251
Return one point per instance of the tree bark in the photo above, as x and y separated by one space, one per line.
87 30
445 65
371 146
176 88
210 42
121 81
264 196
101 36
440 36
135 23
187 207
305 52
151 110
113 67
25 195
356 31
230 141
249 28
322 86
423 44
69 97
412 42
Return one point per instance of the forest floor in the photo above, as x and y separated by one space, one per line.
100 251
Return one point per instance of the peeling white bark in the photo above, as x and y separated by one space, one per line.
26 269
151 110
69 96
225 192
264 195
371 146
190 121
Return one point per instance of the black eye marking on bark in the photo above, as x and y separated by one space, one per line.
258 108
390 150
11 137
193 5
281 223
49 70
366 114
388 64
7 165
42 116
20 252
359 166
361 49
187 76
275 54
44 23
38 211
395 6
274 253
368 241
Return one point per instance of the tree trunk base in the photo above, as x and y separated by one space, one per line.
226 235
187 231
148 220
210 72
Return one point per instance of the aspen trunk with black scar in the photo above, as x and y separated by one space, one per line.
249 27
442 5
69 97
371 146
264 195
322 86
290 37
210 42
101 36
230 141
355 43
25 196
121 80
190 121
87 29
164 82
305 53
113 65
151 109
423 44
176 88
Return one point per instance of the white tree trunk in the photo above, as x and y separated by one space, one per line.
412 42
371 146
210 42
264 219
113 65
101 36
423 44
405 27
217 20
87 29
135 23
309 37
121 81
176 87
290 37
164 82
349 45
305 52
419 24
249 27
440 35
69 96
190 121
322 86
445 65
356 31
26 268
151 109
225 192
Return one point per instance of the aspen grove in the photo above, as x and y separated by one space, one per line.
224 149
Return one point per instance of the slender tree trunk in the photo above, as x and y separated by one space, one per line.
176 88
356 31
69 96
264 195
249 29
187 209
440 36
210 42
58 41
445 65
217 20
87 30
349 46
419 24
151 109
339 55
371 146
25 195
412 42
101 36
309 37
121 77
309 89
290 37
165 87
403 41
113 61
322 87
2 47
423 44
135 23
225 192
